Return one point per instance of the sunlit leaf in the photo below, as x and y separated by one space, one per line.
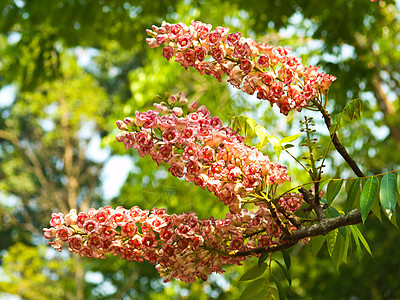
323 183
357 242
331 240
361 238
276 145
291 138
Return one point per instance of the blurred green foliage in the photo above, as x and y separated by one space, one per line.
78 65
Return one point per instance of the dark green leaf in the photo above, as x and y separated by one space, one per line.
317 242
337 254
286 258
252 289
376 209
368 194
254 272
285 271
346 244
388 195
333 213
287 146
262 258
352 194
282 294
333 189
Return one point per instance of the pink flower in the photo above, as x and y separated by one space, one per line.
56 219
168 52
49 233
184 42
90 226
191 45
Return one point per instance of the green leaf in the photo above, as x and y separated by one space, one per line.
253 272
317 242
361 238
252 289
376 209
333 213
291 138
282 294
368 194
275 144
262 259
261 134
286 258
346 245
352 194
398 189
331 238
398 183
388 195
288 146
392 218
351 112
337 255
323 183
357 242
333 189
285 271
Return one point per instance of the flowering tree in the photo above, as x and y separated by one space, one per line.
197 148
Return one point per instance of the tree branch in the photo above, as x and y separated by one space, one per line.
314 203
338 145
322 228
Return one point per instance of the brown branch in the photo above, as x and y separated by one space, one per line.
322 228
338 145
314 203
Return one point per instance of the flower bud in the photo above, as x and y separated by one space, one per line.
174 99
129 121
182 98
177 111
193 106
121 125
121 136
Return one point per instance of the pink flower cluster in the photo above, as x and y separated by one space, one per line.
198 148
272 73
182 246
